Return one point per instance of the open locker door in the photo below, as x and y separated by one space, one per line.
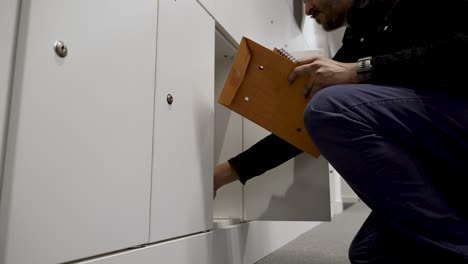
298 190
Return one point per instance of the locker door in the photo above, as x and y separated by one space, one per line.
209 5
183 140
9 28
298 190
78 161
228 134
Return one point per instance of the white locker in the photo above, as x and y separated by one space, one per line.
182 201
8 28
209 5
78 162
228 134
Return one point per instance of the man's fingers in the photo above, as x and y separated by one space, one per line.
298 71
307 60
314 90
309 87
317 87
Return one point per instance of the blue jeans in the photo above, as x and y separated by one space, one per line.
405 154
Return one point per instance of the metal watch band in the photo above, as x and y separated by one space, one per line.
363 69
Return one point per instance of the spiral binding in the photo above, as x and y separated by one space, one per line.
286 54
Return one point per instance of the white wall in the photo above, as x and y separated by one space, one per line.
315 36
269 22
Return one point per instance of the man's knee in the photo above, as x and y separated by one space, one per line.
323 106
330 99
344 96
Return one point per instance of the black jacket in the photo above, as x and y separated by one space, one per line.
414 43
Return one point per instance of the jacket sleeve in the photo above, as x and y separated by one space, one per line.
433 64
266 154
271 151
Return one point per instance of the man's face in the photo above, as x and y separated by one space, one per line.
331 14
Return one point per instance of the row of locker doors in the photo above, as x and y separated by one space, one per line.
110 137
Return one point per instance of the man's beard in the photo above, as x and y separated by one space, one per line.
331 17
331 24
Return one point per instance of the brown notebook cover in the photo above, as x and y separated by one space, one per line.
257 88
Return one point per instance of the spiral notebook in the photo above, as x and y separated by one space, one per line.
257 88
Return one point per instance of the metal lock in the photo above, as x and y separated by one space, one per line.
170 99
61 49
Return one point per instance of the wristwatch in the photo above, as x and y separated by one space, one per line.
364 69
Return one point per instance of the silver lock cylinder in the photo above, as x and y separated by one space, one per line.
170 99
61 49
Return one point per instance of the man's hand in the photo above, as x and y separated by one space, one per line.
222 175
323 72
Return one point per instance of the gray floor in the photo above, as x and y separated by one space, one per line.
326 244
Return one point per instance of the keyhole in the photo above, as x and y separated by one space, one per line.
169 99
299 130
61 49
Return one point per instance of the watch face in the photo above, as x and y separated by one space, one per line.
298 12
